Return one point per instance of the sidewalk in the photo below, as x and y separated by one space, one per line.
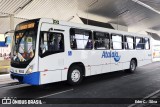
4 66
5 78
4 63
4 72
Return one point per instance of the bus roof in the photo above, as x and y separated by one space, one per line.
89 27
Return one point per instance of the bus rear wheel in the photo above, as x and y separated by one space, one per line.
75 75
133 66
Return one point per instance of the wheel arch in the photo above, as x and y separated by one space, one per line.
80 64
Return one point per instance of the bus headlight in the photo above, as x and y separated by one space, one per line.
30 69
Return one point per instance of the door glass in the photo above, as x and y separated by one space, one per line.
51 43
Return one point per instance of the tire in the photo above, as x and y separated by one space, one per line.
75 75
133 66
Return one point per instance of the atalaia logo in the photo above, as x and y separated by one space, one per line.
114 55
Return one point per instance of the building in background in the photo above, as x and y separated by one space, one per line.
155 43
156 50
5 49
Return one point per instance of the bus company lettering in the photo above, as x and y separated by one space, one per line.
114 55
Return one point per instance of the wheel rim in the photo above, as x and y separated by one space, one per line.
75 76
133 66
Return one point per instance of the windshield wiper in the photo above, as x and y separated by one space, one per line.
21 38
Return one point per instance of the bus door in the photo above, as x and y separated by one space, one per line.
116 52
51 52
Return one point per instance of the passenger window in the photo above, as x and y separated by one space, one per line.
51 43
129 42
101 41
117 42
147 43
139 43
81 39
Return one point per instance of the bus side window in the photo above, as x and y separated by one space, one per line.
129 42
102 41
146 43
51 43
56 42
80 39
73 42
139 43
43 43
61 43
117 41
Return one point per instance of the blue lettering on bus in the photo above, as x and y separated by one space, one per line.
114 55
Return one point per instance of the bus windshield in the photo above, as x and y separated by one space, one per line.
24 46
24 43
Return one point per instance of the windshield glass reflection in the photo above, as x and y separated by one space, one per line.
24 46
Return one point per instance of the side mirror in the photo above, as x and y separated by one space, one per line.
5 40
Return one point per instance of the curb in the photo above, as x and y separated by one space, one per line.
4 75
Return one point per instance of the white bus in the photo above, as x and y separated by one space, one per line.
47 50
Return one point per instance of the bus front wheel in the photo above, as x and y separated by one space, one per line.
75 75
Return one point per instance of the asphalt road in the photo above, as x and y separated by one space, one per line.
116 85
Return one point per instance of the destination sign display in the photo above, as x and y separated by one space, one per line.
25 26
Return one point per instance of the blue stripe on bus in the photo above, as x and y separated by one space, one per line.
32 78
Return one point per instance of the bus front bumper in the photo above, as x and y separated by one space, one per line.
32 79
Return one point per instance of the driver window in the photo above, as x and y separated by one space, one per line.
51 43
